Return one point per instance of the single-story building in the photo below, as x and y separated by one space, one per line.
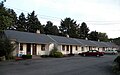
100 46
42 44
111 46
30 43
87 45
66 45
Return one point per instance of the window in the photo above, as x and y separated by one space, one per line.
21 47
67 47
82 48
63 47
76 48
43 47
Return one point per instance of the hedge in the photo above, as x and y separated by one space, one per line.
27 56
55 53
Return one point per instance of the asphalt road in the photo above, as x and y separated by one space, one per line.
76 65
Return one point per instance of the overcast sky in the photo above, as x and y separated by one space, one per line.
100 15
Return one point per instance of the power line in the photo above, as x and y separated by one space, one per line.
38 14
58 19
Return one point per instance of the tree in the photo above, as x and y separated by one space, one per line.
51 29
83 31
103 37
55 53
6 48
69 27
7 17
93 36
14 18
116 41
33 24
21 24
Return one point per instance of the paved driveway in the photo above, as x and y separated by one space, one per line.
76 65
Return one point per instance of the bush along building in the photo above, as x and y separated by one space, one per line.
42 44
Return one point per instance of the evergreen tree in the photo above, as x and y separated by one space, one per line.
69 27
83 31
116 41
55 30
33 24
6 47
103 36
7 17
93 36
14 18
21 24
51 29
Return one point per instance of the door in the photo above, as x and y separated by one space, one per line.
34 52
71 51
28 49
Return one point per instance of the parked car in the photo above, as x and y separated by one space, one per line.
92 53
111 52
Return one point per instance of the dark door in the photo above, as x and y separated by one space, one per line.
34 49
89 48
28 49
71 52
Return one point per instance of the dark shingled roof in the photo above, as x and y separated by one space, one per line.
86 42
109 44
100 44
65 40
25 37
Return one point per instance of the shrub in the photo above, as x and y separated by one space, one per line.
117 59
2 58
27 56
58 55
10 57
55 53
6 48
116 66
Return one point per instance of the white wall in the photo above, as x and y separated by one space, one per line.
114 48
51 46
24 49
100 49
19 52
48 48
77 51
68 52
60 49
86 48
41 52
14 53
63 51
38 49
